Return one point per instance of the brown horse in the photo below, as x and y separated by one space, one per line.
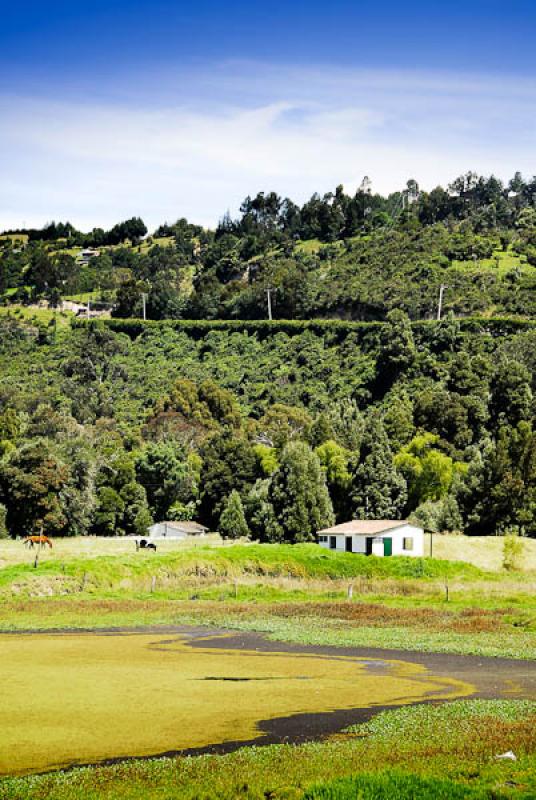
41 540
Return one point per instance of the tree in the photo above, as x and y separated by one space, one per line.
299 495
267 458
31 482
109 512
511 395
334 460
93 369
261 515
378 490
162 469
3 526
512 551
398 417
128 301
78 494
228 463
439 515
233 523
428 472
136 515
281 423
498 493
347 423
398 350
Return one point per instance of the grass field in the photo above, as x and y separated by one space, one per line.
41 316
294 593
15 237
484 552
501 263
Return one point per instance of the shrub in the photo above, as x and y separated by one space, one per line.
512 551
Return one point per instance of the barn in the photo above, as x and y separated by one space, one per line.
176 530
377 537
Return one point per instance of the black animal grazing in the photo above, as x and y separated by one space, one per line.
143 544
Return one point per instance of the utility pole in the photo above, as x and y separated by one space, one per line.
269 291
365 189
144 300
440 304
88 306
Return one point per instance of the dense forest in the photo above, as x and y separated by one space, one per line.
268 429
353 402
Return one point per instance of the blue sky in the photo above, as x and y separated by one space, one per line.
168 109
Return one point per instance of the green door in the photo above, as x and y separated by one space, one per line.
388 547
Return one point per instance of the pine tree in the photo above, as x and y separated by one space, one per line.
233 523
299 495
379 490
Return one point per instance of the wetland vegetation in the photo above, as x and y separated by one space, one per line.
144 694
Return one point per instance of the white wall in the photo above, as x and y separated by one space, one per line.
359 542
407 531
160 530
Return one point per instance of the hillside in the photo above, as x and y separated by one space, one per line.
352 402
283 426
336 256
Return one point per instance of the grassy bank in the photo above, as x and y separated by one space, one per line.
294 593
308 562
458 746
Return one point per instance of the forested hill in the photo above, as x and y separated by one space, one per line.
353 402
351 257
273 430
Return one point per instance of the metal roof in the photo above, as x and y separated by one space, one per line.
182 525
366 526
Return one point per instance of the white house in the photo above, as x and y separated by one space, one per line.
377 537
176 530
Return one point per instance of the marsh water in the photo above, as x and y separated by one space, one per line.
87 697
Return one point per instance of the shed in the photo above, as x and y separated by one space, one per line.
176 530
378 537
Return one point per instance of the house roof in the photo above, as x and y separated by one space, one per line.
366 526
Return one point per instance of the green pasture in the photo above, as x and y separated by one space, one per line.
298 593
41 316
501 263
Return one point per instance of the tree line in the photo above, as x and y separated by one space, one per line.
338 255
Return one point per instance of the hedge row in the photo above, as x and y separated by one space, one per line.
495 327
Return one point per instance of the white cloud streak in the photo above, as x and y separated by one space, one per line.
195 145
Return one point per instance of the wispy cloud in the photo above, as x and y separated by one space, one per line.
178 144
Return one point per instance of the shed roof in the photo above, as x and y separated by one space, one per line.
183 525
365 526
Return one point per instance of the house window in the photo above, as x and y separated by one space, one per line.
408 543
333 542
322 538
